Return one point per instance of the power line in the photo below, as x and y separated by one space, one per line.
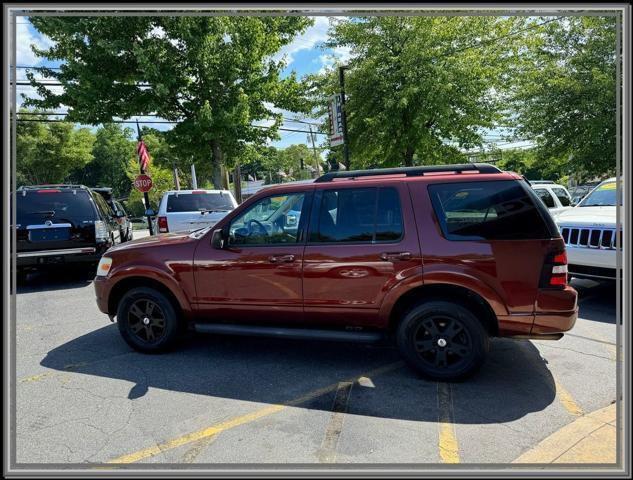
168 122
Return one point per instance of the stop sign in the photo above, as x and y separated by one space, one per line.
143 183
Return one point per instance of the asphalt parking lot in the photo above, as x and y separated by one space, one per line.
84 396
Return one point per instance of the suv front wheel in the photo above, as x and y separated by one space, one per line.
442 340
147 320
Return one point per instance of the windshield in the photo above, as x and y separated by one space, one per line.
603 196
193 202
37 207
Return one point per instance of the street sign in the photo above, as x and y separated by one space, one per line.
336 120
143 183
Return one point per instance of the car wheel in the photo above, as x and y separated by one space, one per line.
442 340
147 320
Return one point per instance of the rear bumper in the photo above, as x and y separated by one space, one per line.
585 271
50 257
549 323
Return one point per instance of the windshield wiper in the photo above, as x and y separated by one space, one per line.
48 213
207 210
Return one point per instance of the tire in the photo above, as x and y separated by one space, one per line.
420 334
163 326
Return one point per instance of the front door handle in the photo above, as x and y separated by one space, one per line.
281 258
391 256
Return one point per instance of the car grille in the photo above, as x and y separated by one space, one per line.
603 238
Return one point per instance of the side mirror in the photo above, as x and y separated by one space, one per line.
120 214
150 212
218 240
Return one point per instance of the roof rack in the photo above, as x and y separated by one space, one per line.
41 187
542 182
410 171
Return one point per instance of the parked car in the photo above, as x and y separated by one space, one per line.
62 225
591 235
426 256
555 197
189 210
579 192
119 213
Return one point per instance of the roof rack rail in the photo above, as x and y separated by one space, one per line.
57 185
410 171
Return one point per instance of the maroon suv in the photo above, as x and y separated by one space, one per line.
438 258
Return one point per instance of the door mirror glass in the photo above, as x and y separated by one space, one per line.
150 212
120 214
218 240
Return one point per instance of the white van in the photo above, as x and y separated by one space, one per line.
189 210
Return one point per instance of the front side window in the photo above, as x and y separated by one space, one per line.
358 215
545 197
496 210
271 220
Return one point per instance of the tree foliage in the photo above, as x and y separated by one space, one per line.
419 88
564 92
215 75
49 152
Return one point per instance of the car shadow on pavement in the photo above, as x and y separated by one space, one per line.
513 383
597 300
59 279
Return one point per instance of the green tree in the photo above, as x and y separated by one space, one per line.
564 92
50 152
419 88
215 76
112 152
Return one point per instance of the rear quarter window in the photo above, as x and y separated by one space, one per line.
496 210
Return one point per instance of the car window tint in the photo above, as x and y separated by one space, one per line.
358 215
496 210
106 209
388 215
269 221
195 202
35 208
545 197
562 196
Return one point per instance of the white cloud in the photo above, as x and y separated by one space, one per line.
338 55
313 36
25 38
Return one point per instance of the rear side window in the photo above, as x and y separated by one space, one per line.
497 210
358 215
546 197
562 196
195 202
35 208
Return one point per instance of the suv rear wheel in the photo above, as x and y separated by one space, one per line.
147 320
442 340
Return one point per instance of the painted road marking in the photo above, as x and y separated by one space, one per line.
327 452
565 398
448 446
241 420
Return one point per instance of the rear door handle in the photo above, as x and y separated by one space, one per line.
391 256
281 258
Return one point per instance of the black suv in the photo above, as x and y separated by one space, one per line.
125 225
62 224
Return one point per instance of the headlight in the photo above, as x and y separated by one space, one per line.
104 266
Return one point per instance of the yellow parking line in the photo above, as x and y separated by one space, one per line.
567 400
240 420
449 448
35 378
327 452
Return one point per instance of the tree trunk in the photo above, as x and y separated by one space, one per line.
408 157
216 166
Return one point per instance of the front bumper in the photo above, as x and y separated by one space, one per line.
102 292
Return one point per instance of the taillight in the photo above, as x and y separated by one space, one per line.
554 271
162 225
101 232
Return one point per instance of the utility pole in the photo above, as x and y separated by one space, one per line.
176 179
142 171
341 79
237 183
316 160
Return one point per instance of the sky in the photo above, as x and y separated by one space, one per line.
304 55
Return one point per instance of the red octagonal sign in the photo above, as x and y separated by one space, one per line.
143 183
